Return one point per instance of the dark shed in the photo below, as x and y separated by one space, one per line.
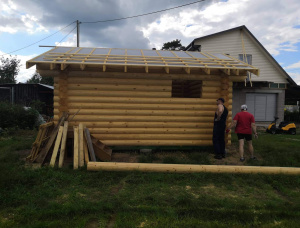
25 94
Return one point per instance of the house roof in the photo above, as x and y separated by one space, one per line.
136 58
191 47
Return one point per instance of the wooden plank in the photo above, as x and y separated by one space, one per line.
76 148
63 145
89 143
86 151
56 146
81 152
44 152
102 151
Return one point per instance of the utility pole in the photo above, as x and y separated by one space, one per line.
78 22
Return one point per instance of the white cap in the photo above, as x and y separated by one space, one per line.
244 107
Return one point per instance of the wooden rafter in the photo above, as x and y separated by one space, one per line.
206 61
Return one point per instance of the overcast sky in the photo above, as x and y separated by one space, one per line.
275 23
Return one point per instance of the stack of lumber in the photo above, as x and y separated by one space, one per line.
52 145
41 139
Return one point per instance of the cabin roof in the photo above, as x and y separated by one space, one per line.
116 57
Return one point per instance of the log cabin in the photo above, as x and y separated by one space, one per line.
134 97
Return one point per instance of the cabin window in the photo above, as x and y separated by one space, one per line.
187 88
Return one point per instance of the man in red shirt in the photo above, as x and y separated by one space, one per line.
244 124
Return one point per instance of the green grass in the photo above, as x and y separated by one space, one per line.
275 150
49 197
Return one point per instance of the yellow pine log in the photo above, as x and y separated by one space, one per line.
98 118
93 87
93 104
76 148
186 168
157 142
211 95
63 145
145 100
152 136
152 76
131 100
56 146
151 130
80 142
117 81
139 112
158 125
84 93
214 89
86 151
211 83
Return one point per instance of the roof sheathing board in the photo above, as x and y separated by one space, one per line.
137 57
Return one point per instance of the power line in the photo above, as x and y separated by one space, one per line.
123 18
67 35
39 40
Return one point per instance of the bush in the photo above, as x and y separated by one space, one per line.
292 116
16 116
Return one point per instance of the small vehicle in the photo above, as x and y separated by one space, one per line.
284 127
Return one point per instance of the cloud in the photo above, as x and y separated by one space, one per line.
275 27
293 66
295 76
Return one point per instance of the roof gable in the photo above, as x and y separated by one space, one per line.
275 64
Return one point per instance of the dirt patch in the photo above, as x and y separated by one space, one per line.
124 157
23 154
93 223
232 157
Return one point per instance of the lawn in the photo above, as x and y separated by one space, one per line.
49 197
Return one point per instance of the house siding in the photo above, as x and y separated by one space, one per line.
231 43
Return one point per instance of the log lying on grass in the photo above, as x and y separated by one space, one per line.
178 168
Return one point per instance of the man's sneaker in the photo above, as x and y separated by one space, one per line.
218 157
253 158
242 159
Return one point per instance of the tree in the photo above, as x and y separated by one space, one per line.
37 78
173 45
9 69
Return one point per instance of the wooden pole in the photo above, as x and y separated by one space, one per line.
76 149
57 145
179 168
81 150
63 145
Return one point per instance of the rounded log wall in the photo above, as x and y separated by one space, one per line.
140 112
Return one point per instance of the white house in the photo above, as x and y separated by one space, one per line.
264 95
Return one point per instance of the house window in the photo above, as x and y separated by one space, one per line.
247 59
186 88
